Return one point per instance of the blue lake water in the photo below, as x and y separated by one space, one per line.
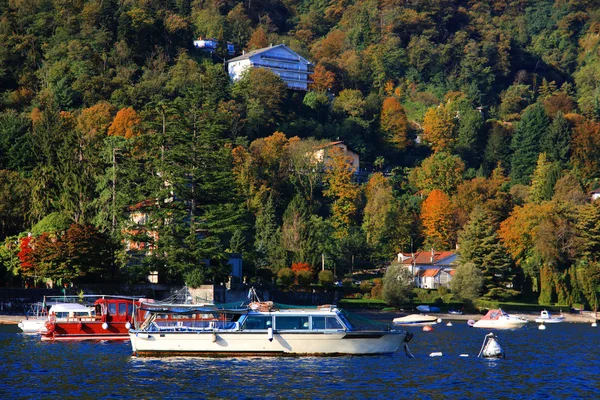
562 361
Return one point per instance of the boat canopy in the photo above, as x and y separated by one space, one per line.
68 307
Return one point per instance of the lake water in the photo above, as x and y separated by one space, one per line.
562 361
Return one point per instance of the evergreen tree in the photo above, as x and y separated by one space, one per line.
479 244
557 142
526 143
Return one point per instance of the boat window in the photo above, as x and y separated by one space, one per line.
326 323
112 308
291 322
122 308
129 308
62 314
257 322
80 314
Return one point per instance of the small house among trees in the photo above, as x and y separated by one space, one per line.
321 154
293 69
430 269
210 45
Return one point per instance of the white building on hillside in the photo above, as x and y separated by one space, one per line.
293 69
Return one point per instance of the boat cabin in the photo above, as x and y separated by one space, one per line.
114 309
70 310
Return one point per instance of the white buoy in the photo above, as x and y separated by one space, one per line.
104 326
542 327
464 355
213 338
436 354
127 326
439 320
449 324
594 324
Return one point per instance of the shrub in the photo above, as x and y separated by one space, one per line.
326 278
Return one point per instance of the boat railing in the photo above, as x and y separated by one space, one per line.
192 325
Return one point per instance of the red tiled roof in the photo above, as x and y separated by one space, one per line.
430 272
424 257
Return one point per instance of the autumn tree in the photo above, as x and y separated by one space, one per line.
441 171
258 40
439 128
125 124
341 188
437 218
322 79
585 148
394 123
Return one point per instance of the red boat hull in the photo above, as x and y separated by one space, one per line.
87 331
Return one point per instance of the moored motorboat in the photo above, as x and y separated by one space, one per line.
546 318
260 329
498 319
415 319
428 309
37 317
111 320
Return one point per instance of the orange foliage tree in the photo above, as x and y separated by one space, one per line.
322 79
437 218
394 123
125 124
95 120
258 40
439 128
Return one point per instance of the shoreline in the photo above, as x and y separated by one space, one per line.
586 317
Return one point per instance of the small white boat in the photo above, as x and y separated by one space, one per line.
498 319
38 316
416 319
546 318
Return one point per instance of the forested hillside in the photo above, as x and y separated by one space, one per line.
124 149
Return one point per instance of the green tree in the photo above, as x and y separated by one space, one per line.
526 143
479 244
557 142
397 285
467 281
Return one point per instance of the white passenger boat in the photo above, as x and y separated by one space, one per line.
260 329
38 316
498 319
546 318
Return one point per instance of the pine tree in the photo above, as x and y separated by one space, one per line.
479 244
557 141
526 143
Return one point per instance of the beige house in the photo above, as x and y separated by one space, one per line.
320 154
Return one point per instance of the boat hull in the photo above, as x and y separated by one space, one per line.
549 320
259 343
86 331
32 325
487 324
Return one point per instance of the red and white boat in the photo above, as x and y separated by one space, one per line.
111 320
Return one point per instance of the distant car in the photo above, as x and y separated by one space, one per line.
338 283
455 312
357 282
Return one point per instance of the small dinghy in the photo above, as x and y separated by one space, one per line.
490 347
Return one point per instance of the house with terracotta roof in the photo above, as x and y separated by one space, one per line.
431 269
